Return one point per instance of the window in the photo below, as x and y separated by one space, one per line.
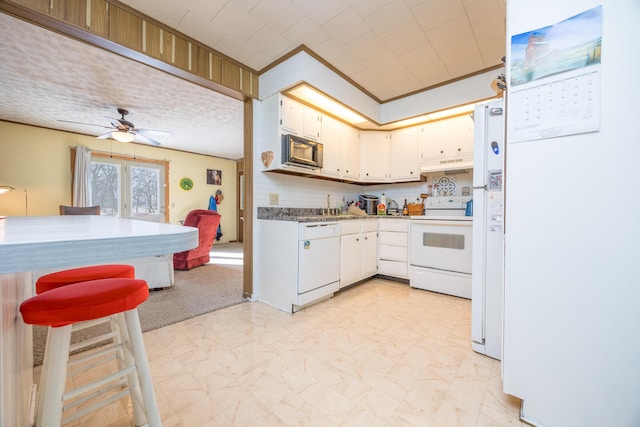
129 188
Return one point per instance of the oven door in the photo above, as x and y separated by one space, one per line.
442 245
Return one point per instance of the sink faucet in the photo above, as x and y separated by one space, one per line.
328 202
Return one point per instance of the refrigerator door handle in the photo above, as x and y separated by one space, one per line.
480 187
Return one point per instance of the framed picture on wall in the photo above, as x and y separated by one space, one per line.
214 177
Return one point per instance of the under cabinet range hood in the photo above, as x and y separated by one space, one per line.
449 166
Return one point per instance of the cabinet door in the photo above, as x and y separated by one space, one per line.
350 259
374 147
351 155
432 141
462 138
334 134
311 123
291 116
369 254
445 140
404 163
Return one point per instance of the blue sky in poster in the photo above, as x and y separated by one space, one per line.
562 38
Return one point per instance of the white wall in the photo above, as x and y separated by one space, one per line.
572 289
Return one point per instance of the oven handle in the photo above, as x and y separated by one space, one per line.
428 222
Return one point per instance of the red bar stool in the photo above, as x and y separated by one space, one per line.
116 328
65 306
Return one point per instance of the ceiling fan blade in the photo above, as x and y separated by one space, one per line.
146 139
105 136
155 132
85 124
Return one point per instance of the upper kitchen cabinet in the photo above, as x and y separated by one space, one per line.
404 162
446 144
374 156
339 142
351 155
300 120
279 117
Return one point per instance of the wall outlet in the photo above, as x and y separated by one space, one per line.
274 198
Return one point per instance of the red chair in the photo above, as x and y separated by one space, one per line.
207 223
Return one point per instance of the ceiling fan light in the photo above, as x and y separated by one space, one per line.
123 136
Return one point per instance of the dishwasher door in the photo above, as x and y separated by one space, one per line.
318 263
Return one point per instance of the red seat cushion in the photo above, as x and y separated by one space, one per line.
66 277
84 301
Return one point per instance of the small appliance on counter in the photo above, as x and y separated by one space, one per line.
369 204
393 208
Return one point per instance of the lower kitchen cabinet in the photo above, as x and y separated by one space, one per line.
358 247
393 242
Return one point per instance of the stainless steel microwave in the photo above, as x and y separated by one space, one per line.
297 151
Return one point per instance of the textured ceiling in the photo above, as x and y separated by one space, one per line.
389 47
53 78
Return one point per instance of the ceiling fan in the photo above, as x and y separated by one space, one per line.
124 131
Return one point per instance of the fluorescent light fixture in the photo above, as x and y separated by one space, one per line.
323 102
123 136
442 114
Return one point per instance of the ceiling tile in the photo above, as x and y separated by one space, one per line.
346 26
458 50
477 10
489 28
366 46
466 65
390 18
299 34
367 7
405 40
450 33
321 12
433 14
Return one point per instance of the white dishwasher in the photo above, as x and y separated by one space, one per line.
318 260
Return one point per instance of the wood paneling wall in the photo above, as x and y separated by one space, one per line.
127 27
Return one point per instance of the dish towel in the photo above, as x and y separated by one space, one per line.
213 207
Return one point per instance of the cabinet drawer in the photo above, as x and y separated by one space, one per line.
393 253
401 225
350 226
369 225
393 268
392 238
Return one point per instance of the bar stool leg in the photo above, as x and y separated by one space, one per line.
144 372
128 360
53 391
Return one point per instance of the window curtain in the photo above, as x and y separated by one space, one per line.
82 177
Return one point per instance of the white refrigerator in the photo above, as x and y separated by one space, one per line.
488 233
571 348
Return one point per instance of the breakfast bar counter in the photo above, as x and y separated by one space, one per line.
33 243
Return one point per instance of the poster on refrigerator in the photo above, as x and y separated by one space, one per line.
555 79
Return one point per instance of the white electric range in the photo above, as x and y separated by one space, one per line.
440 247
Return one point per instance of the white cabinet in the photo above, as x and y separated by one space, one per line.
404 162
291 116
358 247
351 155
300 120
374 159
341 147
446 144
393 242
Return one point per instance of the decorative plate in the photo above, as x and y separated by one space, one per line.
186 184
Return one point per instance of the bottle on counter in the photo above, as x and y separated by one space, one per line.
405 208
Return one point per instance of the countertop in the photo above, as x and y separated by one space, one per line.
38 242
312 215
